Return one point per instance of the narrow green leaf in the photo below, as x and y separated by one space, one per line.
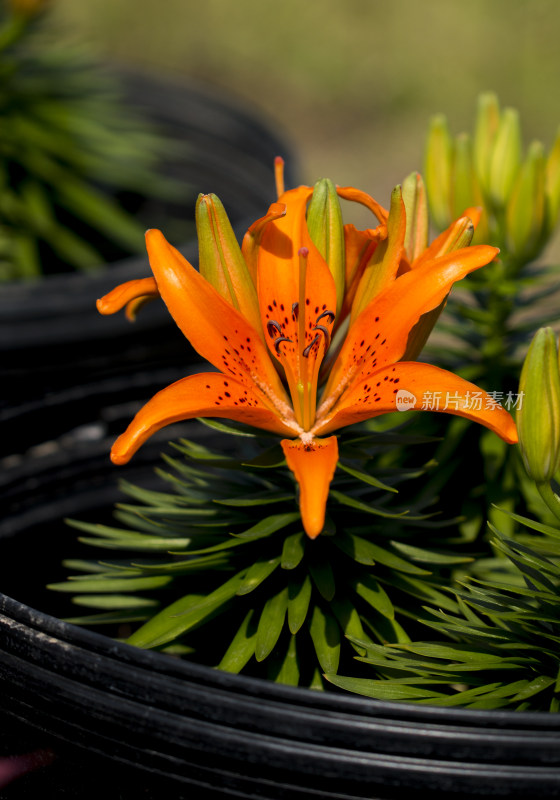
293 550
242 646
365 478
114 585
269 525
298 602
111 617
349 619
381 690
429 556
114 601
289 669
323 577
346 500
184 614
325 634
271 623
368 549
223 427
267 498
257 573
370 590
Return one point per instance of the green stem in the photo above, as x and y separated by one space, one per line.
550 498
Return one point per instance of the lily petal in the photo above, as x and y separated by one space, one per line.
313 465
208 394
380 334
422 387
218 332
252 239
131 294
357 196
359 249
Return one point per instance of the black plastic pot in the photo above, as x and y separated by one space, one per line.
52 339
131 723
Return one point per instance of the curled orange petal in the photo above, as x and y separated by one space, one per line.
313 464
127 294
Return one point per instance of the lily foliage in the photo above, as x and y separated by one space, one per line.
500 650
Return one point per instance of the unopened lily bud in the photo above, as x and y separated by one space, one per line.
220 259
324 222
538 418
486 128
437 170
506 158
525 218
463 183
416 207
552 184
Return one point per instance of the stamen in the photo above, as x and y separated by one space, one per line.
279 175
295 310
307 350
328 314
279 341
326 334
273 328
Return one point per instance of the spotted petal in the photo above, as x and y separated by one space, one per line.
413 385
209 394
215 329
380 334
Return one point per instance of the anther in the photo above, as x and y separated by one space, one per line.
279 341
309 346
326 334
328 314
273 328
295 310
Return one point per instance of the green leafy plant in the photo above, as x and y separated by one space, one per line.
500 651
71 154
219 566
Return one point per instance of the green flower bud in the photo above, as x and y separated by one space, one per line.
220 259
552 185
416 207
506 158
463 182
437 170
324 222
538 418
486 128
525 216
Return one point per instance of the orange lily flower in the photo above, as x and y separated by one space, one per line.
265 318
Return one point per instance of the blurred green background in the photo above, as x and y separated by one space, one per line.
351 83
